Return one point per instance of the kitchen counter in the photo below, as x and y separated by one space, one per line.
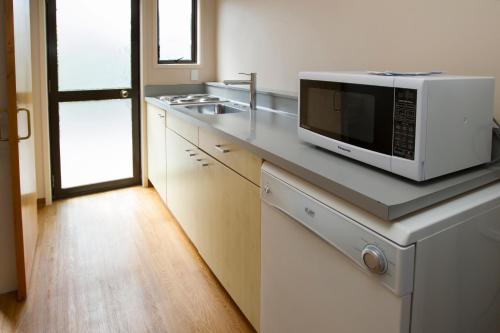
273 136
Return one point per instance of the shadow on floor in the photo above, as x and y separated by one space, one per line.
10 312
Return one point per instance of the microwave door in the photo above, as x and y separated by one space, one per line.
359 115
358 121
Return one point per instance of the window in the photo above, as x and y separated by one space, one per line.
177 31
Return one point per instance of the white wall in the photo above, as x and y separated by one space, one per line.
279 38
7 246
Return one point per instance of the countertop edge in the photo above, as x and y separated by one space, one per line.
399 210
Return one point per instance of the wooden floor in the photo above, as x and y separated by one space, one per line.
118 262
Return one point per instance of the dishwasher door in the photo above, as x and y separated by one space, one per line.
312 280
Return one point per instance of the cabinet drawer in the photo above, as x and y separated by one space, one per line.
183 128
240 160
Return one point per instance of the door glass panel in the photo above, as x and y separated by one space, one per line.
93 44
95 141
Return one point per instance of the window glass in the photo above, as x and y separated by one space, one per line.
177 31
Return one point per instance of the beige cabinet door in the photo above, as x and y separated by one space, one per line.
205 202
231 230
182 183
157 153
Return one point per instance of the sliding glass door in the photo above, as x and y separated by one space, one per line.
94 95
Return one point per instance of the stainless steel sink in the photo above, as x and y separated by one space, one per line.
214 109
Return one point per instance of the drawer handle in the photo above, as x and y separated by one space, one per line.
203 163
221 149
191 152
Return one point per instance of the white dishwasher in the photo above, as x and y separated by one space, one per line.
323 272
329 266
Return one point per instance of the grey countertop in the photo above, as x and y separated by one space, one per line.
273 136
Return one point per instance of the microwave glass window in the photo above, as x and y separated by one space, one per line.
358 121
356 114
350 114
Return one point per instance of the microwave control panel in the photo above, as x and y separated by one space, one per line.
405 121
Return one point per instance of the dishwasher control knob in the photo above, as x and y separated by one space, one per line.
374 259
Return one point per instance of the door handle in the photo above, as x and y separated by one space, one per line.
28 118
2 139
124 93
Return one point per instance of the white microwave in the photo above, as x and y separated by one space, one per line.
418 127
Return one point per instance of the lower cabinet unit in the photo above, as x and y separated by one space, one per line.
232 216
156 150
220 212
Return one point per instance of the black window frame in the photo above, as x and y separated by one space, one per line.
194 37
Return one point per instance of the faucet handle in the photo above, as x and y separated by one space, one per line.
249 74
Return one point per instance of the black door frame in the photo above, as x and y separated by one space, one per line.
55 97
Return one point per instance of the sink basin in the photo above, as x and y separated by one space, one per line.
214 109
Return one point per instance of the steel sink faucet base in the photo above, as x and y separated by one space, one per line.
253 87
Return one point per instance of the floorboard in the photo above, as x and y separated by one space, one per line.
118 262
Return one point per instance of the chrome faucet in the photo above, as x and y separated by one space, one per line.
253 87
